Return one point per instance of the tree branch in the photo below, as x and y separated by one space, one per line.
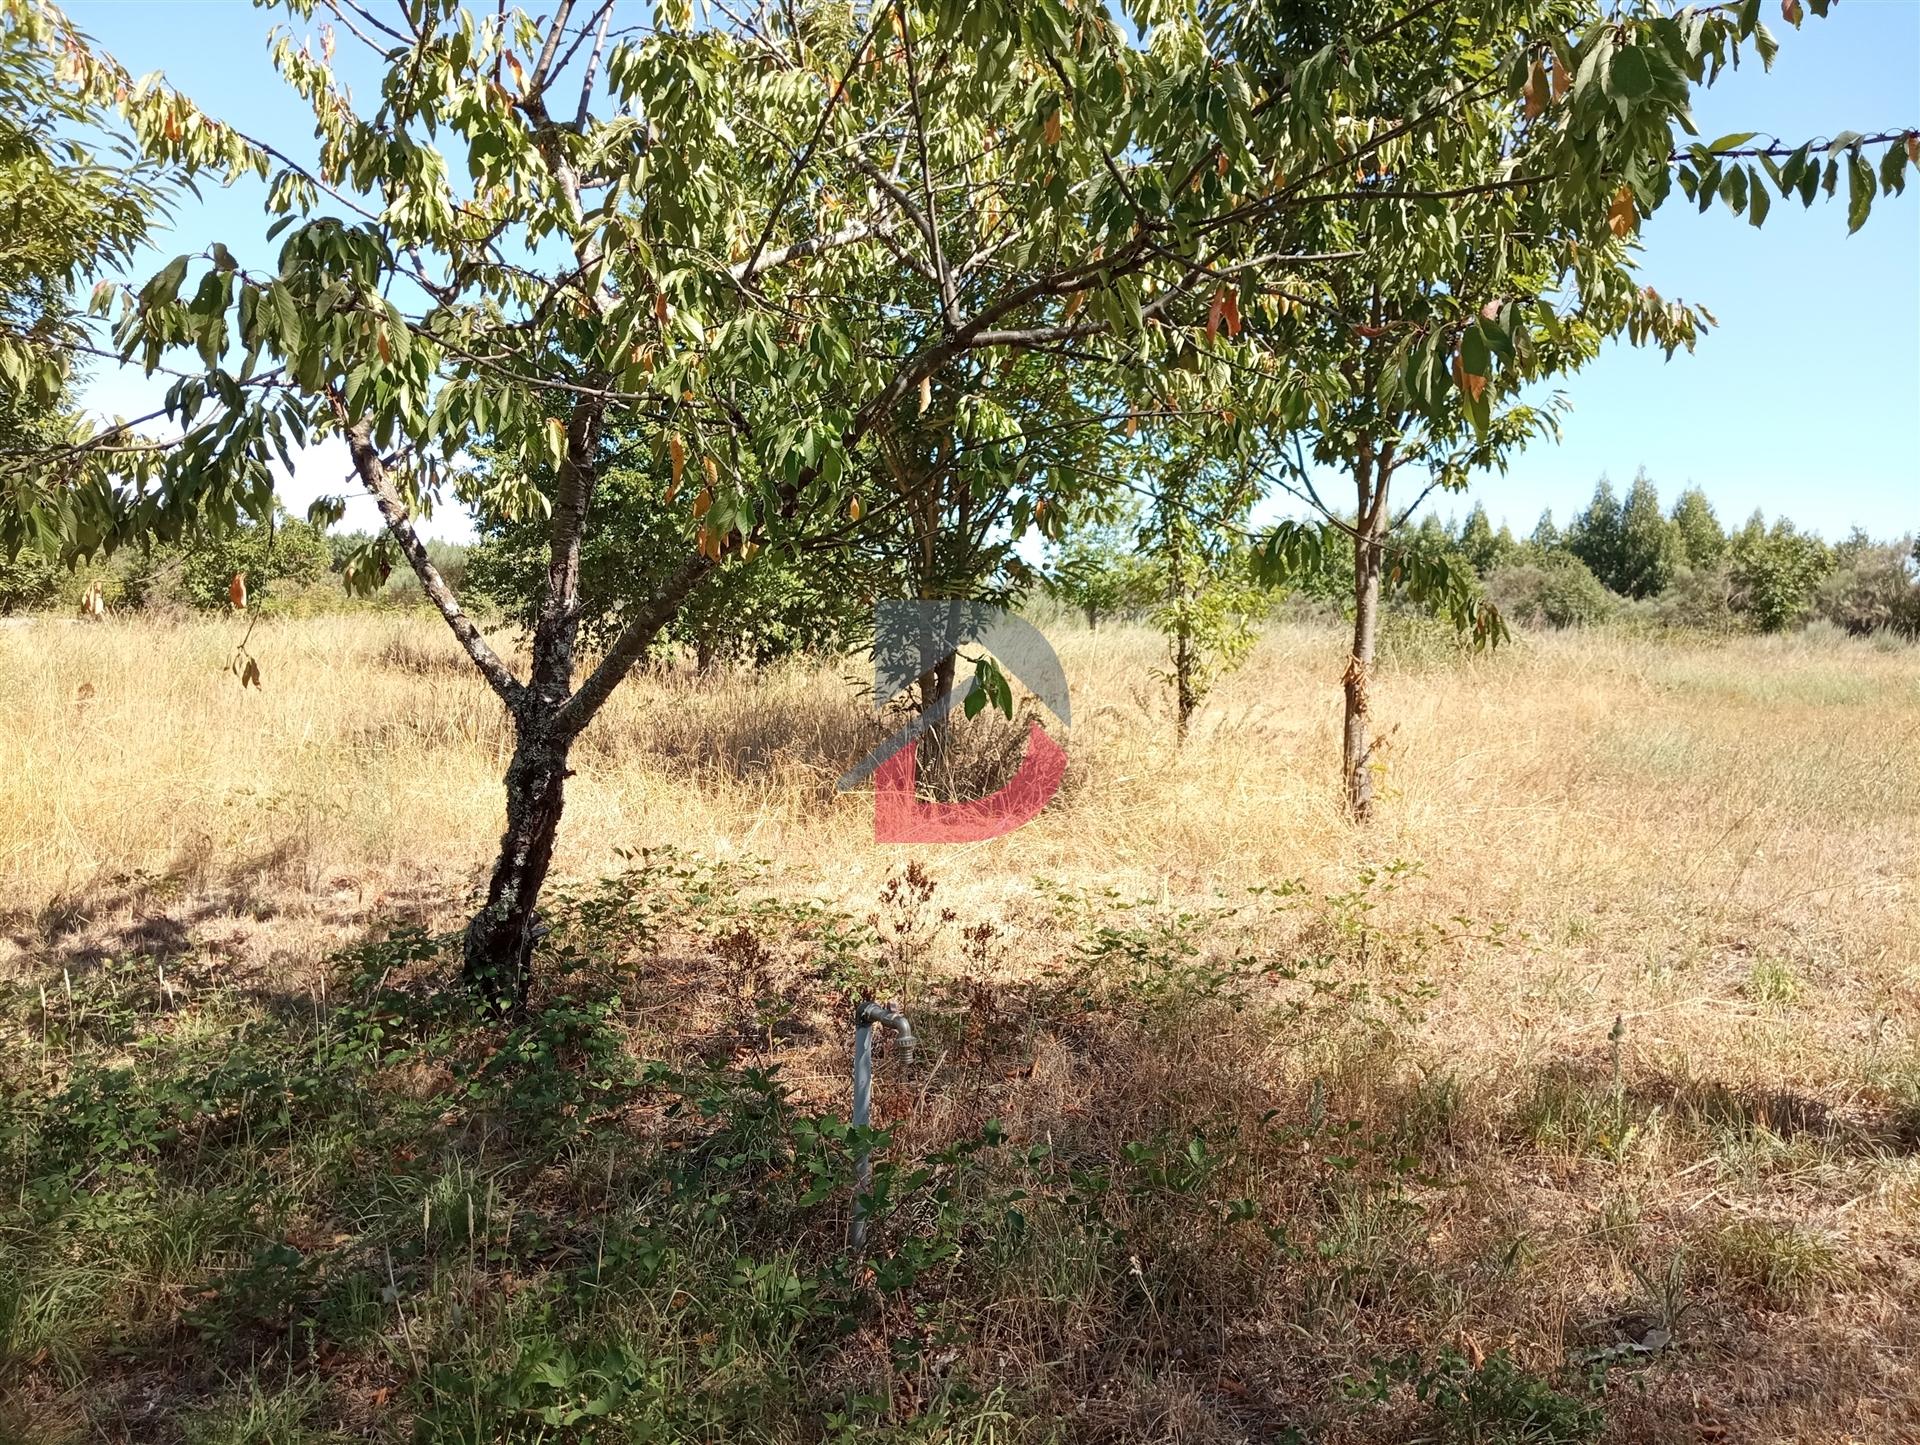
900 198
805 157
744 271
949 304
334 7
556 32
628 648
593 64
373 476
1778 147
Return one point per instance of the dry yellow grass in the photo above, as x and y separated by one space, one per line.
1656 819
1716 843
1620 797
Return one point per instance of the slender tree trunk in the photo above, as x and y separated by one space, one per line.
547 718
1182 589
1186 696
497 954
497 957
706 654
1370 528
938 739
1366 618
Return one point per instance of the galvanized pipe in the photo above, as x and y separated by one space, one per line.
864 1018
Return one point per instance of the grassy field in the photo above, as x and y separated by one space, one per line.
1578 1099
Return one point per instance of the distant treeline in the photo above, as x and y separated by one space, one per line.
1627 558
1624 559
290 566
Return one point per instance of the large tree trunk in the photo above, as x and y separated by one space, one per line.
497 957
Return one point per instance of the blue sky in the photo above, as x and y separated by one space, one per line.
1803 401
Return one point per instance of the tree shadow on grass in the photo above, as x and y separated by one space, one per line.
1751 1110
1155 1201
164 914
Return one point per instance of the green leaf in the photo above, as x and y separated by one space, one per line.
990 685
1474 355
1732 142
1893 169
1630 78
1735 190
166 283
1859 191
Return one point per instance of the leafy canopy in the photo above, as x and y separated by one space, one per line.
766 236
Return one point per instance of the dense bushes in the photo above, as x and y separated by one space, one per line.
398 586
26 582
1774 573
1683 570
288 564
290 553
1555 589
1702 598
1875 587
1102 573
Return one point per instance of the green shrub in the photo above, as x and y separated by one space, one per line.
1784 1263
290 551
1494 1402
1874 589
27 581
1701 599
1498 1401
1557 591
1099 571
1775 573
400 587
